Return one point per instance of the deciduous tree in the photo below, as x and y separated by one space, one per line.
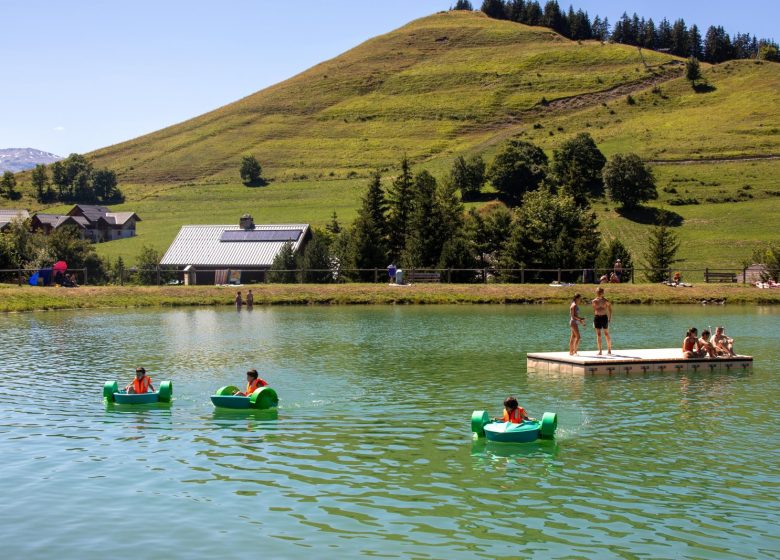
518 168
577 167
628 181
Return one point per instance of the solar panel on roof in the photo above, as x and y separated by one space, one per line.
261 235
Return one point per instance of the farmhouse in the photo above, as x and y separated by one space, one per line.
219 254
95 223
9 214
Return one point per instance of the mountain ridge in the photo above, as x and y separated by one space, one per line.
22 159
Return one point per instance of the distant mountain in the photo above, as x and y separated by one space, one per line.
19 159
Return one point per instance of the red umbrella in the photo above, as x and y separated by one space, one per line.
60 266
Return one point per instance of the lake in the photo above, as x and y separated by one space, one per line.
371 454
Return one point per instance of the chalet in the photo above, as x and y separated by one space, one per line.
218 254
95 223
9 214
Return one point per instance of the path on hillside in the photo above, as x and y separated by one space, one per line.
668 72
726 159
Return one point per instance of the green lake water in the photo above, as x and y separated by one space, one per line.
371 454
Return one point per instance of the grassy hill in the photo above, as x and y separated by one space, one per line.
458 83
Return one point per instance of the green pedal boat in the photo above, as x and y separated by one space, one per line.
112 394
262 399
507 432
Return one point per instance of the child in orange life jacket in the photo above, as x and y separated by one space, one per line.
513 412
141 384
253 382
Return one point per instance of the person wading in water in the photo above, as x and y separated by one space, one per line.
602 317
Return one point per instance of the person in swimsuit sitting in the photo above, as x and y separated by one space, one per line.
724 345
602 315
574 321
513 412
706 347
690 345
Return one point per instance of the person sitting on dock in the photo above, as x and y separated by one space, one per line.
724 345
253 382
513 412
706 347
141 384
690 346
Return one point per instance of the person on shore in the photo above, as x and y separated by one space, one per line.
618 270
706 347
574 321
604 279
239 301
690 345
513 412
250 299
141 384
614 278
253 382
724 345
602 317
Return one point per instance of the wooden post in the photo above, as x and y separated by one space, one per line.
86 280
706 274
633 276
158 274
19 276
744 275
376 275
449 276
484 275
303 273
522 274
559 275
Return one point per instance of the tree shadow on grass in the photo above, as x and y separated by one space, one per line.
651 216
704 88
259 183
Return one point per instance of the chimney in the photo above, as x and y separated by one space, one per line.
246 222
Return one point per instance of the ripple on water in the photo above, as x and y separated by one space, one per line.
370 453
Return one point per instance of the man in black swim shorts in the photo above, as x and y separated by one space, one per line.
602 316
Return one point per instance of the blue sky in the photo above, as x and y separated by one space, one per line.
80 75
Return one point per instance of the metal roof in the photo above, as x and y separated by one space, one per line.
201 246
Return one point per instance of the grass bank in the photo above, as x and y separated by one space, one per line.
27 298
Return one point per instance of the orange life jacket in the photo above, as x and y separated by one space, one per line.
142 385
253 385
516 417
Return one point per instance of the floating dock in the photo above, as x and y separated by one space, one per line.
645 360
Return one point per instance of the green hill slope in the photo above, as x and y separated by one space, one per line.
434 87
456 83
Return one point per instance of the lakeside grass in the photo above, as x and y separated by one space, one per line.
27 298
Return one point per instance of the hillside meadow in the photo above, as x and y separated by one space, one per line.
459 83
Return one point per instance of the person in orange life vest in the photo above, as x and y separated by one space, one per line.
513 412
253 382
141 384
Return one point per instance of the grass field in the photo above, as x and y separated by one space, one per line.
26 298
460 83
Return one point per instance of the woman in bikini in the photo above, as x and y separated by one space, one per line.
574 321
690 346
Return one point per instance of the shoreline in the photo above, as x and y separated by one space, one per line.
27 298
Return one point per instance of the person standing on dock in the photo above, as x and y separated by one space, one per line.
574 321
602 317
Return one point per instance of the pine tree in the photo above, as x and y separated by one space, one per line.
694 42
662 247
316 261
334 227
284 267
8 186
463 5
399 198
426 225
692 71
494 9
369 232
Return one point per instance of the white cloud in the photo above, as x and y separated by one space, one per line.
59 128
